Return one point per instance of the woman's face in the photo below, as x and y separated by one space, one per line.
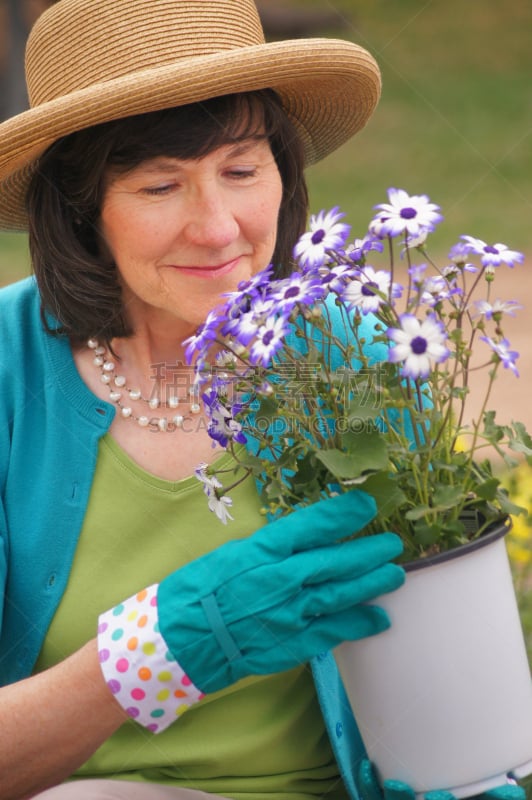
183 232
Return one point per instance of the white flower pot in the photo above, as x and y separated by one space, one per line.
443 699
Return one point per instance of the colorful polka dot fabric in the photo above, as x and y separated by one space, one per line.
139 669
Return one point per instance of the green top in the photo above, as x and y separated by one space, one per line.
264 735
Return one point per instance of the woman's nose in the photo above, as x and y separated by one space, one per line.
211 221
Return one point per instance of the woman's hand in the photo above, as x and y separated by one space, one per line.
271 602
255 606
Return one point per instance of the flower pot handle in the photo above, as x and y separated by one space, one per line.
369 789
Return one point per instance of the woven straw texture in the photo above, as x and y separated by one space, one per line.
91 61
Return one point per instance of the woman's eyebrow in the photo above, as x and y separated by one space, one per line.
162 164
244 145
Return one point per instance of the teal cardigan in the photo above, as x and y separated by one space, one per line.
50 425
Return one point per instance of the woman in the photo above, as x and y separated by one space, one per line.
160 165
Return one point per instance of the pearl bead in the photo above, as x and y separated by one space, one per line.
107 368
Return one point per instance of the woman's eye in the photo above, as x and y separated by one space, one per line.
159 190
242 174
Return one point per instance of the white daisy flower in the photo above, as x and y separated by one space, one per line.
418 345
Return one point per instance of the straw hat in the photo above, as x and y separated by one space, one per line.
91 61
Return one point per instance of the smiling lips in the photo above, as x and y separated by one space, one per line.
209 272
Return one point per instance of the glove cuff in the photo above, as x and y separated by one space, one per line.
138 667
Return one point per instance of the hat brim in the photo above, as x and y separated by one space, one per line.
328 87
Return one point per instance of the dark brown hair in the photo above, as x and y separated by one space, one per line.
80 286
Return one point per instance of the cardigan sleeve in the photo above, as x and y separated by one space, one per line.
50 426
6 418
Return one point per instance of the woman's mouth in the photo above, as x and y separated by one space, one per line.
208 271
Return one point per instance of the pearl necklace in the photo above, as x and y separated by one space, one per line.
118 387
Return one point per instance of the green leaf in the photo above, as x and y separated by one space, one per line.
367 446
493 432
309 477
426 534
418 512
361 408
488 489
367 452
521 442
339 464
386 491
268 408
447 497
508 507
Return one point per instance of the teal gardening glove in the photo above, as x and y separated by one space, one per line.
369 789
273 601
254 606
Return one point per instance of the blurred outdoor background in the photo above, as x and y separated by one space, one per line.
454 122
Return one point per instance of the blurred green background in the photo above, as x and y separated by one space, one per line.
455 119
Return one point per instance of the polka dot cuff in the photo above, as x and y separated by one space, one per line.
139 669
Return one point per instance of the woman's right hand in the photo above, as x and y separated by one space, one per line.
254 606
270 602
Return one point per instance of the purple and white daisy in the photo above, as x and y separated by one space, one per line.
222 426
413 214
297 288
269 339
244 326
326 233
336 277
415 241
435 289
258 284
369 290
249 294
497 309
225 359
492 255
417 273
218 505
357 249
209 482
504 354
198 345
417 344
459 255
